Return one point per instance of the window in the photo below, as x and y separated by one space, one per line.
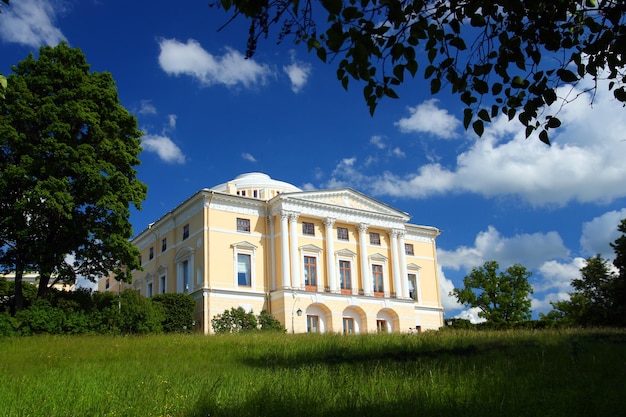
310 271
377 277
308 229
243 225
381 326
151 256
413 286
342 233
185 272
312 324
345 281
162 284
164 244
408 249
348 325
107 284
140 260
374 238
244 273
149 290
185 231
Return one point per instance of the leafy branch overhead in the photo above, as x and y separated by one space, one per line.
499 57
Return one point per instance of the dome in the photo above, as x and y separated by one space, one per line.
255 185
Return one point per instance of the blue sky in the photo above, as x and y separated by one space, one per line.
209 115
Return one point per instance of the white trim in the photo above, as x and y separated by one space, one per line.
243 248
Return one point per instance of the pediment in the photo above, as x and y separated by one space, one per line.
348 199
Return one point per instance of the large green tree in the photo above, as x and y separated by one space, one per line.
598 298
68 152
502 297
499 56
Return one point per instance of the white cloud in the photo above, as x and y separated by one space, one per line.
232 68
428 118
163 146
147 107
530 250
378 141
31 22
446 286
600 232
171 121
298 73
584 163
398 152
248 157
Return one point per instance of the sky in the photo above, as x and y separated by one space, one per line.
209 115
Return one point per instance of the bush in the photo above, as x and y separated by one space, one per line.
238 320
40 318
177 310
267 322
8 325
234 320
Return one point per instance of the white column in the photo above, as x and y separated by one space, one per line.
284 249
295 263
395 264
404 273
330 255
273 283
366 276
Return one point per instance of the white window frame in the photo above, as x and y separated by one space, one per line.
244 248
347 255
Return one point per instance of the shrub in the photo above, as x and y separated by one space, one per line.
177 310
234 320
267 322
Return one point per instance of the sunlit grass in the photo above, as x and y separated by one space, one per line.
573 373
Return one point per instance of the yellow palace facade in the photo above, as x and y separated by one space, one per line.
319 261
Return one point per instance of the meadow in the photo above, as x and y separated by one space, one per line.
448 373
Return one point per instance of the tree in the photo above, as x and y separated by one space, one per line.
501 297
500 57
598 298
619 291
67 172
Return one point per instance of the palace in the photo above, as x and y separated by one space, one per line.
319 261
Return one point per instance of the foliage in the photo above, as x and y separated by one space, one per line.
234 320
267 322
598 298
501 297
619 290
177 310
68 149
499 57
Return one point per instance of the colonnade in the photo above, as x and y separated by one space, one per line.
290 257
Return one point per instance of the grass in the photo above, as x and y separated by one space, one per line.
548 373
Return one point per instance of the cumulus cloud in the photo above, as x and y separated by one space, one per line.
248 157
31 23
164 147
584 163
428 118
530 250
298 73
231 69
600 232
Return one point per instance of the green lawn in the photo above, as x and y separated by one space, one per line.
521 373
